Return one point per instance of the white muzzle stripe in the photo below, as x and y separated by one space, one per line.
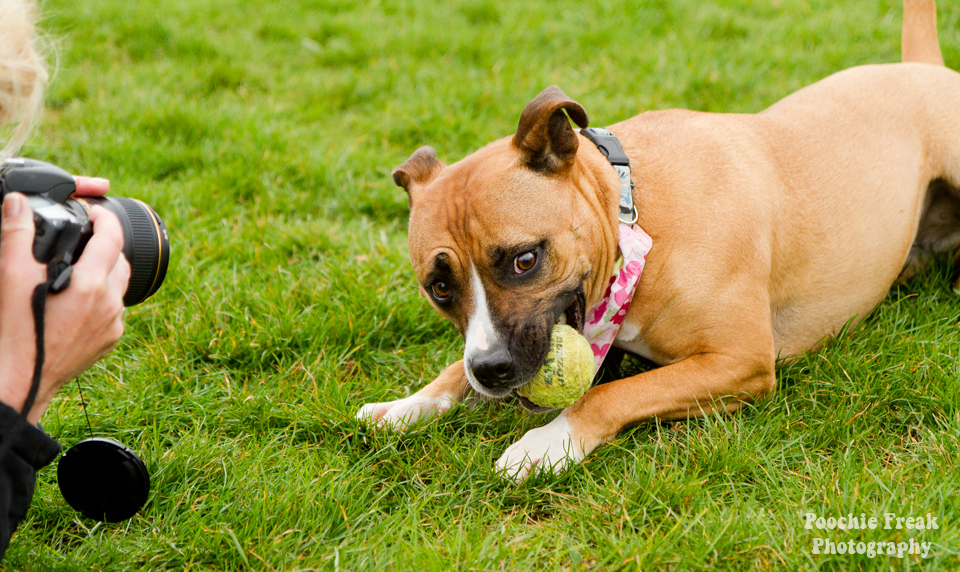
481 335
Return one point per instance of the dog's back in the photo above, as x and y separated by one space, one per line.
889 141
888 137
848 180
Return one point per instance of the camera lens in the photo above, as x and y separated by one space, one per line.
145 245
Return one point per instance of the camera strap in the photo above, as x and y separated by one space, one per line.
38 303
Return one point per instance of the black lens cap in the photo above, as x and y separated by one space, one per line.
103 480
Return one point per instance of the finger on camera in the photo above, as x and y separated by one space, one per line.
105 245
91 186
17 230
17 263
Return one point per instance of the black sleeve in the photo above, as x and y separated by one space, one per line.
32 450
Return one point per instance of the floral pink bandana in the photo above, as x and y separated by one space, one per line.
604 319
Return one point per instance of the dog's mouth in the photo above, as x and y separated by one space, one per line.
529 405
572 316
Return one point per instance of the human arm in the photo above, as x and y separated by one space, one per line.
83 323
32 449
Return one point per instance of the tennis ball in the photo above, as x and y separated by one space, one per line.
566 374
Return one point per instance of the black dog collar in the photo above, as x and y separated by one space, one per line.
609 145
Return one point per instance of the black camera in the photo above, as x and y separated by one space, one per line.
63 227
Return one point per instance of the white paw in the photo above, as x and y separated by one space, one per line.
552 448
402 413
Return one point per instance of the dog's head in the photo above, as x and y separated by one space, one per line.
514 238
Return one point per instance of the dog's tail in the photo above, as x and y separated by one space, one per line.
918 41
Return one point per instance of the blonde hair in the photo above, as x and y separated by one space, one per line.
23 74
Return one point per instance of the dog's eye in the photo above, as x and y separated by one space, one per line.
524 262
440 290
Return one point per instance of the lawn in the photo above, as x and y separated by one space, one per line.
264 134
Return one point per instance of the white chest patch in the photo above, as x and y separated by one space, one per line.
629 339
628 332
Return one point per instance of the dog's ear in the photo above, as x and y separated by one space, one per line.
418 170
544 134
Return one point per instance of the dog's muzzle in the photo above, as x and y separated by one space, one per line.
520 349
495 371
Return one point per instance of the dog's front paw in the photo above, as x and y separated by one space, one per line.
402 413
552 448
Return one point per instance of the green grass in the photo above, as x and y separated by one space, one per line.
264 134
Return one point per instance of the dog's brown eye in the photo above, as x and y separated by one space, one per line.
440 290
524 262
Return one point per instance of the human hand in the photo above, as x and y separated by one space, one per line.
83 323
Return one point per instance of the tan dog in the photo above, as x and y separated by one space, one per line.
770 232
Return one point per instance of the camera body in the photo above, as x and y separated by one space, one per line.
61 234
63 226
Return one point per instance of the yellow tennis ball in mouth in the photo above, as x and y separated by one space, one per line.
566 374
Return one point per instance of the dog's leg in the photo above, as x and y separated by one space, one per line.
435 398
697 385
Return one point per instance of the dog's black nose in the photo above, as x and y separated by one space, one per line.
494 370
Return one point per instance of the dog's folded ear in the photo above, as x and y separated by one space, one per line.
544 134
418 170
